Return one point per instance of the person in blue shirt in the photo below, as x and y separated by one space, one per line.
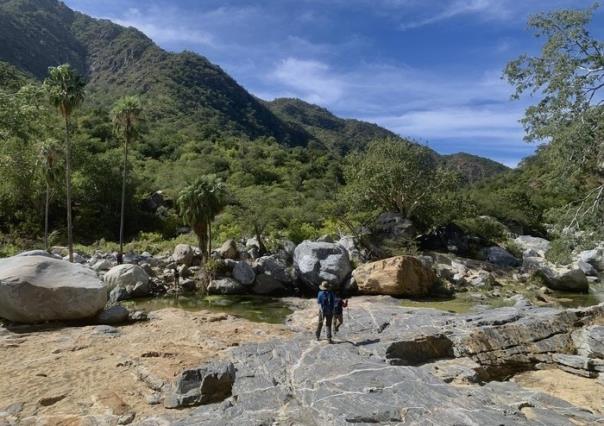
326 301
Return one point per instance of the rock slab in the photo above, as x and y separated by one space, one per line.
202 385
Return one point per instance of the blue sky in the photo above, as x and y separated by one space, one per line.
425 69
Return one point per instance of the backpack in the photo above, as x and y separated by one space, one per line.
326 302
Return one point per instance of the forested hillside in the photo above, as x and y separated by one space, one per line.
291 167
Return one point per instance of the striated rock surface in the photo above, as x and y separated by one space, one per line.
396 276
40 288
393 365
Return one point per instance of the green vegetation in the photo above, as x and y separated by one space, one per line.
291 169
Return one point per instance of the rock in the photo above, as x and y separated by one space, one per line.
273 267
101 265
316 262
228 250
451 238
141 289
42 253
573 280
244 273
266 284
138 316
590 341
118 294
156 200
188 285
113 315
106 330
396 276
77 258
37 288
500 257
183 254
288 247
594 257
202 385
395 226
588 269
226 286
252 243
125 276
539 245
484 280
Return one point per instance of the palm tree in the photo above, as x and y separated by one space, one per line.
66 92
49 159
126 117
199 204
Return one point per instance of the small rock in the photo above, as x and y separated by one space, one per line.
113 315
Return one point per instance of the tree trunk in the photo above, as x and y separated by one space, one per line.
46 216
124 177
68 189
209 238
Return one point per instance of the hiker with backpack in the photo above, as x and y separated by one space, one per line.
326 301
338 312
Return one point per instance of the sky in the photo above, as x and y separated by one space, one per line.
429 70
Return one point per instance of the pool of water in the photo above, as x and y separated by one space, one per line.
252 308
577 300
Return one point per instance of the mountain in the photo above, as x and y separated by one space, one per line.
472 167
182 91
342 135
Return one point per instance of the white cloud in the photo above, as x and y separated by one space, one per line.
491 9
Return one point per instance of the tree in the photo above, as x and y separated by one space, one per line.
199 204
396 176
568 75
66 92
126 116
49 159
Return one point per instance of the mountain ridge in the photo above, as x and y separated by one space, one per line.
185 87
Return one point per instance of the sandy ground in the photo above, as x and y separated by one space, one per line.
580 391
79 371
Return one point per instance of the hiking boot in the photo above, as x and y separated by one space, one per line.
330 341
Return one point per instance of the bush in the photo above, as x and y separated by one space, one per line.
484 227
560 251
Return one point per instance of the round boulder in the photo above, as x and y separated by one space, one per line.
228 250
183 254
320 261
125 276
38 288
396 276
226 286
244 273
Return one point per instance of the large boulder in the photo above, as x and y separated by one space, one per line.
593 257
42 253
244 273
226 286
536 244
38 288
316 262
228 250
125 276
571 280
396 276
500 257
183 254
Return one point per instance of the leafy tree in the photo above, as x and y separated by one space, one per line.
49 159
66 92
394 175
199 204
126 116
569 77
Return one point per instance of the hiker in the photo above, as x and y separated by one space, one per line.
120 258
338 312
325 299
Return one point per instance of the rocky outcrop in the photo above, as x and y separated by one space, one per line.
244 273
202 385
396 276
321 261
392 365
272 276
594 258
538 246
39 288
